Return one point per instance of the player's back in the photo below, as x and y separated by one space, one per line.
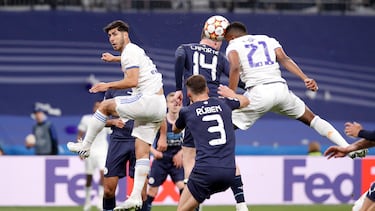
258 59
150 80
206 61
211 127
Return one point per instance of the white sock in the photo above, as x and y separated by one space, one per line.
96 124
324 128
142 168
87 195
100 196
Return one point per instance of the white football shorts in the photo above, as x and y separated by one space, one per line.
147 111
275 97
95 161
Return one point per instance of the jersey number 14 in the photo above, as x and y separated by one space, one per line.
199 61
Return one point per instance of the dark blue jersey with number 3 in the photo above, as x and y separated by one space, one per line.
193 59
210 123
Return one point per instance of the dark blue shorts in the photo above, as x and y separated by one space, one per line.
161 168
119 153
188 139
371 192
203 183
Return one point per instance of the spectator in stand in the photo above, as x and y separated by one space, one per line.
44 136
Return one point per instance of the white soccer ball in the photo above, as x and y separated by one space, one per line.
214 27
30 140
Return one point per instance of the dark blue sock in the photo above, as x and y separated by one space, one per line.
197 208
146 206
237 188
109 203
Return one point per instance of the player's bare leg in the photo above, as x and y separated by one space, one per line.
325 129
187 201
109 199
368 205
142 167
188 160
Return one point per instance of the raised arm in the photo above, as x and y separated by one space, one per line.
337 151
229 93
292 67
179 66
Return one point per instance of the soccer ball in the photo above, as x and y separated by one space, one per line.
30 140
214 28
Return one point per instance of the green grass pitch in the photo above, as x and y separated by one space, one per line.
206 208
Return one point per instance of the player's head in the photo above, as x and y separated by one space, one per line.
173 107
196 85
212 43
39 115
118 34
234 30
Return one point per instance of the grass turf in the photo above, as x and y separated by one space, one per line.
206 208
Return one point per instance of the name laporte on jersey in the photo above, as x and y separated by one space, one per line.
205 49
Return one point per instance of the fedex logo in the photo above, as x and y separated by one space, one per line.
322 181
63 173
57 173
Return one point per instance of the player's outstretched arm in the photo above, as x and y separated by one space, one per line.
130 80
337 151
108 57
162 142
229 93
178 97
292 67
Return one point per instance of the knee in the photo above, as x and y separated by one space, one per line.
109 191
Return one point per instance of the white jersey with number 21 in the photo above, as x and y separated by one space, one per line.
258 59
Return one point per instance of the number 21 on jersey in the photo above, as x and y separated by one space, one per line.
255 58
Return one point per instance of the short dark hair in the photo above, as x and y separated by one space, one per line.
119 24
236 27
196 84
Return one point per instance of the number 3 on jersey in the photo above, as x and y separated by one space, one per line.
255 59
219 128
199 61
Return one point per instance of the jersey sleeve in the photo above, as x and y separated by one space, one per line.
181 121
179 64
230 48
366 134
232 103
130 59
274 43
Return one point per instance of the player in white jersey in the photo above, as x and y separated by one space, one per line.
96 160
146 106
255 59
